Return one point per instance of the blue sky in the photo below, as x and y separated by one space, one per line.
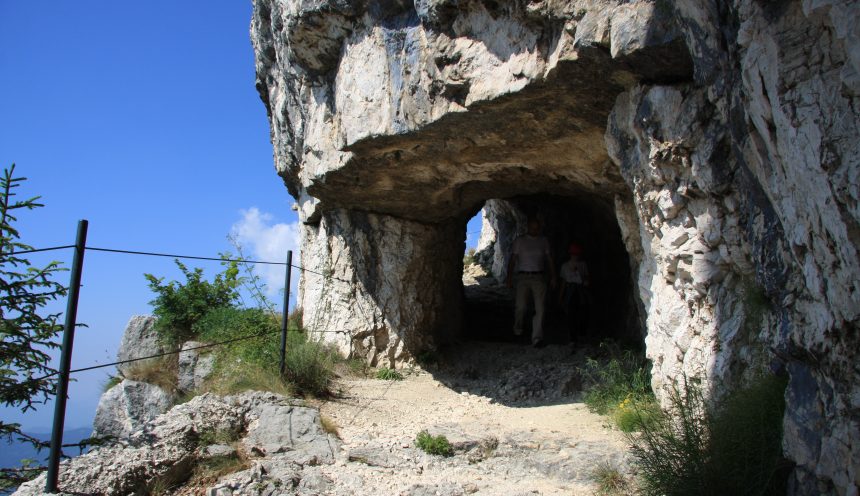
141 117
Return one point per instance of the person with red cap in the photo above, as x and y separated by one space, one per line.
574 297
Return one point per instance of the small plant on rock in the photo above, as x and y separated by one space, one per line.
434 445
387 374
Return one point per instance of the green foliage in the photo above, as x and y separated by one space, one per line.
619 385
469 257
254 363
27 330
111 382
387 374
226 323
179 306
309 364
733 448
248 364
631 414
434 445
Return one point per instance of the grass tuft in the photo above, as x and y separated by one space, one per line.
434 445
387 374
163 372
610 481
329 426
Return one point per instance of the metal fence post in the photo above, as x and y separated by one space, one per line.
66 359
286 313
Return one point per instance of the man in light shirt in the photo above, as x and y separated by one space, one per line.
530 264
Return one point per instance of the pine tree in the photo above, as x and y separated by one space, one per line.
27 329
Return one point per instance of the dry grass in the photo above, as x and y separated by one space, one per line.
610 481
329 426
238 377
209 471
163 372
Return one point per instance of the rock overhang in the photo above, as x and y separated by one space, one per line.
424 115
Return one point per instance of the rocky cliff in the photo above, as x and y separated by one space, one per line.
713 145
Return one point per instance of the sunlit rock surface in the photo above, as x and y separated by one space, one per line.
722 136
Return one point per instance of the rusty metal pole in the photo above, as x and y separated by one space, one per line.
66 359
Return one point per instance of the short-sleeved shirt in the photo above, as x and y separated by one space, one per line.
532 253
575 272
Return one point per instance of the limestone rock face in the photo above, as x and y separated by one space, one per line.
721 138
195 366
169 446
126 407
138 340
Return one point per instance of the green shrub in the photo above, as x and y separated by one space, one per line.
254 363
309 364
619 385
631 414
387 374
733 448
179 306
226 323
434 445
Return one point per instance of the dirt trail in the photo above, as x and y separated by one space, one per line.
512 411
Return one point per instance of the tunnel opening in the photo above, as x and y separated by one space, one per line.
607 310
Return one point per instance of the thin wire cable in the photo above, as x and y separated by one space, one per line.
24 252
166 353
320 274
191 257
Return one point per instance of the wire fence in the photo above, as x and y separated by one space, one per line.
184 257
62 375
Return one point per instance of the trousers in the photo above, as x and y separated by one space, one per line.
533 285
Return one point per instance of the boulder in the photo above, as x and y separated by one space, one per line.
169 446
138 340
126 407
195 366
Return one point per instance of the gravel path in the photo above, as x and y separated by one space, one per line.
512 413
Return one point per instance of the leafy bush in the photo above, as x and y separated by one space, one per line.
179 306
226 323
387 374
733 448
434 445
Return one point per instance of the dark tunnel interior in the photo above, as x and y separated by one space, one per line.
607 311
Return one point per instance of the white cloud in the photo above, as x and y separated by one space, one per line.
263 239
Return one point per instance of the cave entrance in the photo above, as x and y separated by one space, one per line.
586 220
